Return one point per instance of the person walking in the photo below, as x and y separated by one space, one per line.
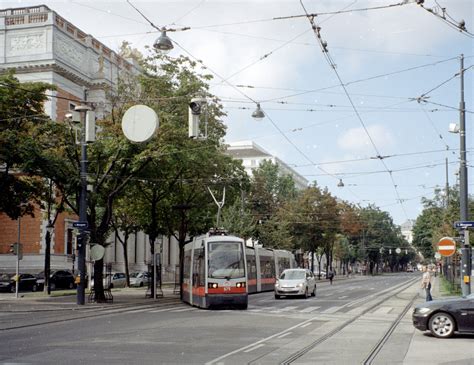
426 283
331 275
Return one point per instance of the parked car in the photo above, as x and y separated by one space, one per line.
26 282
140 278
299 282
59 279
445 317
115 280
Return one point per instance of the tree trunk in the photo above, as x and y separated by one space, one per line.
125 258
98 281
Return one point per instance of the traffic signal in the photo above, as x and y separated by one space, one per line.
14 248
17 249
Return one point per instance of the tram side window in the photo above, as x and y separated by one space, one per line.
198 268
283 264
267 267
186 264
251 267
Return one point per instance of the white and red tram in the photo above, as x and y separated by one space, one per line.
219 270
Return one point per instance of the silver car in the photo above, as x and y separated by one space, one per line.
139 278
299 282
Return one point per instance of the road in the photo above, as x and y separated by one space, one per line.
342 324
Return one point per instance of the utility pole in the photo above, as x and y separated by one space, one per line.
466 249
82 238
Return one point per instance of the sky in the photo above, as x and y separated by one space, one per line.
373 111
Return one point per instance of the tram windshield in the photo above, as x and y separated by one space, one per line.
226 260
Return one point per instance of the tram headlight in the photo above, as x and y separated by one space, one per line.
240 285
212 285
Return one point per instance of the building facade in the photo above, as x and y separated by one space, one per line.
252 155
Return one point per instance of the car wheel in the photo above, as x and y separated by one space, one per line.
277 296
442 325
71 285
111 286
34 288
306 294
52 286
313 294
12 289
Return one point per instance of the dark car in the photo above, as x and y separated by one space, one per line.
59 279
26 282
444 317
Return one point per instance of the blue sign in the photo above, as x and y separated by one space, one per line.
464 224
80 224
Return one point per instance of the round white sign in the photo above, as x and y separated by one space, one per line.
139 123
398 250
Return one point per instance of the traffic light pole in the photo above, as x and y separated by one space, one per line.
17 282
463 193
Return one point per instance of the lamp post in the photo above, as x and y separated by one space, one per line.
463 193
47 257
82 238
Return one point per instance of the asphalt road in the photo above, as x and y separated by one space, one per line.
172 332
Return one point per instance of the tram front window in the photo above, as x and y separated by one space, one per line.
226 260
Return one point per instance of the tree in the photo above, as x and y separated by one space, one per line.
21 112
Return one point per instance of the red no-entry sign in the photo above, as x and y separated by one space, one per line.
446 246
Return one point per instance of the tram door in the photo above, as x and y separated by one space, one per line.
198 282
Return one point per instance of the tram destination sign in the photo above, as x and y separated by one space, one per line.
464 224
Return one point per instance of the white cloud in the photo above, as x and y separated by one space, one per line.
357 139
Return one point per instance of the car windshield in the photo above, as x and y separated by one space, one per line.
292 275
5 276
226 260
135 275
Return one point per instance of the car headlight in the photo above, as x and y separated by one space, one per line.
423 310
277 283
299 285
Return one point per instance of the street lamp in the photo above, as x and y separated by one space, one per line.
47 257
163 42
258 114
340 184
463 193
82 239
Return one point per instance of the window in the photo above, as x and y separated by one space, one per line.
69 241
226 260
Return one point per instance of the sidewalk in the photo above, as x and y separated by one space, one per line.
410 346
66 300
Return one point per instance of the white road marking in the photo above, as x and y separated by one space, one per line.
286 309
183 310
254 348
162 310
285 334
383 310
306 324
309 309
344 296
331 310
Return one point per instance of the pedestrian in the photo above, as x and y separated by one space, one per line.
331 275
426 283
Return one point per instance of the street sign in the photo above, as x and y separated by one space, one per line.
446 246
437 255
80 224
464 224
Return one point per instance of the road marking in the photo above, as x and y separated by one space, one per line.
331 310
286 309
285 334
183 310
306 324
309 309
344 296
254 348
383 310
162 310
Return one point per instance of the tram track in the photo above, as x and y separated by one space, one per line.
374 352
98 313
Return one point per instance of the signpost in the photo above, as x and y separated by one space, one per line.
446 246
464 224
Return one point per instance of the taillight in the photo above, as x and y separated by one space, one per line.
212 285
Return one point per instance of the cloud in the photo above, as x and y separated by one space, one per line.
356 139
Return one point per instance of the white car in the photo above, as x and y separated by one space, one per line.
300 282
139 278
113 280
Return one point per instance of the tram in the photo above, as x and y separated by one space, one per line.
219 270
